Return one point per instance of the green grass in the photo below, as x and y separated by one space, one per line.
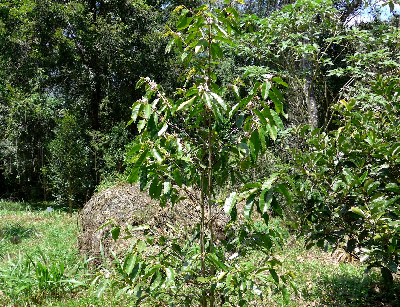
49 246
324 281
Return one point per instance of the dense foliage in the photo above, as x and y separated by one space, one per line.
288 108
350 178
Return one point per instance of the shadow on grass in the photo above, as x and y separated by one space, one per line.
37 206
16 229
352 291
13 233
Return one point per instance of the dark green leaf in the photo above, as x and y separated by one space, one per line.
274 275
280 81
263 120
248 209
178 177
115 232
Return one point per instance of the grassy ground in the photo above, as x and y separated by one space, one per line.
48 239
44 268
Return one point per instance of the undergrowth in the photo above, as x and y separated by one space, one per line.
45 268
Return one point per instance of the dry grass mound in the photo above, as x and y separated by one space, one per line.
124 204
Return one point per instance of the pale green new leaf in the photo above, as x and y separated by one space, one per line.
163 129
358 211
230 201
266 86
186 104
129 263
169 46
220 101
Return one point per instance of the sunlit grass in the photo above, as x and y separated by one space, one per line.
51 239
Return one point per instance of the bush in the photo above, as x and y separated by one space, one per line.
70 161
349 179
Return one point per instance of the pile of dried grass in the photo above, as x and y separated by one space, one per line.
126 205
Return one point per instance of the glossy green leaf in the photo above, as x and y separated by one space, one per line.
156 154
163 129
186 104
277 98
213 258
216 51
274 275
134 149
170 273
272 132
230 202
262 118
267 184
129 263
178 177
147 111
255 140
393 187
184 23
141 125
266 197
277 119
115 232
135 111
266 86
169 45
280 81
248 209
282 188
219 100
358 211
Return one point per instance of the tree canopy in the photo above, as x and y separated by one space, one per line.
287 103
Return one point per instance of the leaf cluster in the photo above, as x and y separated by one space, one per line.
349 178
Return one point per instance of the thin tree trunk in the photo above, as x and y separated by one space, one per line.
210 168
309 93
70 197
202 239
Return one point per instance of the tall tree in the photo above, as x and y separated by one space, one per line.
86 54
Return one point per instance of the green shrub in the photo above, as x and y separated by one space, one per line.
348 181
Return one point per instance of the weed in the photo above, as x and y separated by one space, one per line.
45 269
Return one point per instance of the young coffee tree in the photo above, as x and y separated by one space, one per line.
349 179
202 140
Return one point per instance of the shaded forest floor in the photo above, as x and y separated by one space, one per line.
29 235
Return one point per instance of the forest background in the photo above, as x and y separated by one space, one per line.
68 75
69 68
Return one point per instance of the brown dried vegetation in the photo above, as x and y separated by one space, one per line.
125 205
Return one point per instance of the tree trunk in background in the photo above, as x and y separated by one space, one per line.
348 8
309 94
95 98
94 107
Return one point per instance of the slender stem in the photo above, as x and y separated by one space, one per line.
202 243
210 163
